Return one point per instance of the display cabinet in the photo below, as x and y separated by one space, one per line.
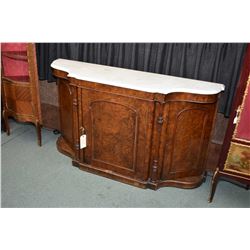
19 85
234 162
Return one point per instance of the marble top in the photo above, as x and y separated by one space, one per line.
135 79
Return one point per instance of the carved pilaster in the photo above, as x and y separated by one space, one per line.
75 106
154 170
157 130
75 102
160 120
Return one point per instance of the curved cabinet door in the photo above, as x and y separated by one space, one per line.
66 113
186 139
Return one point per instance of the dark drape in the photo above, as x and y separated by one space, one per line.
216 62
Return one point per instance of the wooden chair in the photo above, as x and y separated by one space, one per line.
20 89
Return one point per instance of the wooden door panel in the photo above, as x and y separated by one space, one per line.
186 139
114 137
118 132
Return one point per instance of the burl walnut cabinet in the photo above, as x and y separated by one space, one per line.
144 129
19 85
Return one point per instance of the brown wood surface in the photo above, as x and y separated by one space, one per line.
187 136
119 130
144 139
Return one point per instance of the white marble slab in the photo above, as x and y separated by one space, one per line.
134 79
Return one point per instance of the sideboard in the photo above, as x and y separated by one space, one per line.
145 129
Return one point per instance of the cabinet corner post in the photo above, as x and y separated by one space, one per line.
159 102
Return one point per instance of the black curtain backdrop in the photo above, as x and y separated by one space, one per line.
215 62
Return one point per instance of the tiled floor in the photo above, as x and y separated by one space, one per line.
34 176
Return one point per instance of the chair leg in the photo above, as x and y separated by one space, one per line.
6 122
213 185
39 135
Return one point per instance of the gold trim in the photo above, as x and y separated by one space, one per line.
240 108
233 175
241 140
226 163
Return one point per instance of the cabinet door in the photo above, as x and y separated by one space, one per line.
118 130
66 111
187 135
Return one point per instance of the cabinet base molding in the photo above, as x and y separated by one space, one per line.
110 174
186 182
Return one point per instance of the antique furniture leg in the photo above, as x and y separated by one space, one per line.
6 122
213 185
3 128
38 131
